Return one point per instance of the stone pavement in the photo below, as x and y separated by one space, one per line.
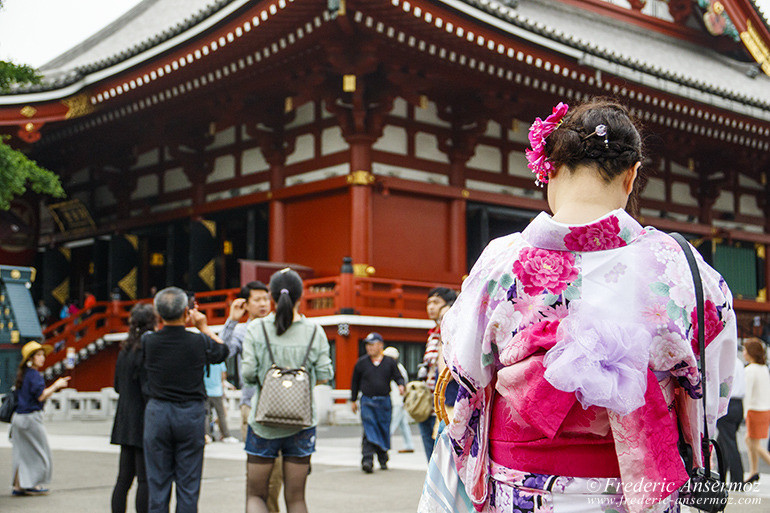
85 466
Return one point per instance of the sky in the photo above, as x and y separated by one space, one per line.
35 31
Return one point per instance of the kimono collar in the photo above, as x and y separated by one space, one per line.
613 230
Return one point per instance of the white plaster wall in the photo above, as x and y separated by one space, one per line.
332 141
520 132
487 158
257 187
499 189
146 185
426 147
303 115
400 108
303 149
148 158
379 168
104 196
175 180
655 189
680 194
429 115
319 174
224 169
745 181
170 206
393 140
252 161
682 170
517 165
493 130
748 206
224 137
724 202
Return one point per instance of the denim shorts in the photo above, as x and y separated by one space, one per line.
297 445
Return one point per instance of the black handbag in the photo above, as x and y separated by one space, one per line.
705 490
286 397
8 406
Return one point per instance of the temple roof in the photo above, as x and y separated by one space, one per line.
613 46
633 52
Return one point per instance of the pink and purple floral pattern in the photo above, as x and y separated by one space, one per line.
604 234
540 269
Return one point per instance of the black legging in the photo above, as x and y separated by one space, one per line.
131 464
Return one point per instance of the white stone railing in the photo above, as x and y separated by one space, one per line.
69 404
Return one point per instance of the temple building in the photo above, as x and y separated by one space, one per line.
204 141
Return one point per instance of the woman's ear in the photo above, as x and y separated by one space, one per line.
630 178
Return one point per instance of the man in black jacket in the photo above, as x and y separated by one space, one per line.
372 375
174 363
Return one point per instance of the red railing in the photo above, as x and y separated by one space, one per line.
343 294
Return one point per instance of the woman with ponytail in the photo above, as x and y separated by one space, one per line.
128 428
289 334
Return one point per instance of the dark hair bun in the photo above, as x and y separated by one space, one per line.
576 142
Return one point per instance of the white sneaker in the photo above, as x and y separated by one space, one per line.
231 440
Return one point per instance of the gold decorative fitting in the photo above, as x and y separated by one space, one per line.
269 194
363 270
28 111
756 46
762 295
32 276
15 274
349 83
361 178
211 226
288 104
14 337
691 164
718 7
466 193
760 249
62 292
128 283
423 101
29 127
207 274
133 240
341 11
227 247
78 106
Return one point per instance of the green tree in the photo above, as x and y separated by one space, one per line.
17 172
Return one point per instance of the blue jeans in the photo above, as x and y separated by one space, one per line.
426 430
173 453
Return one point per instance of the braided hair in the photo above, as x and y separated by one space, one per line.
576 141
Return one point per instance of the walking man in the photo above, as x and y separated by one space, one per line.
372 375
174 363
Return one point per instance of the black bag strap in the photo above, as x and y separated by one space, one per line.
270 350
705 439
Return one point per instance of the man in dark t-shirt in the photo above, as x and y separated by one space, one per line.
372 375
174 422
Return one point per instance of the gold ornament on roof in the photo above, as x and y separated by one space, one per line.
28 111
78 106
756 47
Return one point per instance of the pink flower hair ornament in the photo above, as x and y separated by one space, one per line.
538 132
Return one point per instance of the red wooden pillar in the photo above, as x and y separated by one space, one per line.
346 352
276 217
360 180
458 253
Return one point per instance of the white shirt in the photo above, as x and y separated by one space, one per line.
757 388
739 381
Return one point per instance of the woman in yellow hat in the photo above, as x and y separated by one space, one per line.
31 452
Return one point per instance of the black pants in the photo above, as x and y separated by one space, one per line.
131 465
173 453
368 450
728 427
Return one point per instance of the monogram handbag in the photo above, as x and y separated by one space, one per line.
706 489
286 398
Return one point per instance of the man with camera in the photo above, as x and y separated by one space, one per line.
174 363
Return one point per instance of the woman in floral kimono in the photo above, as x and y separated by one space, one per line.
575 344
